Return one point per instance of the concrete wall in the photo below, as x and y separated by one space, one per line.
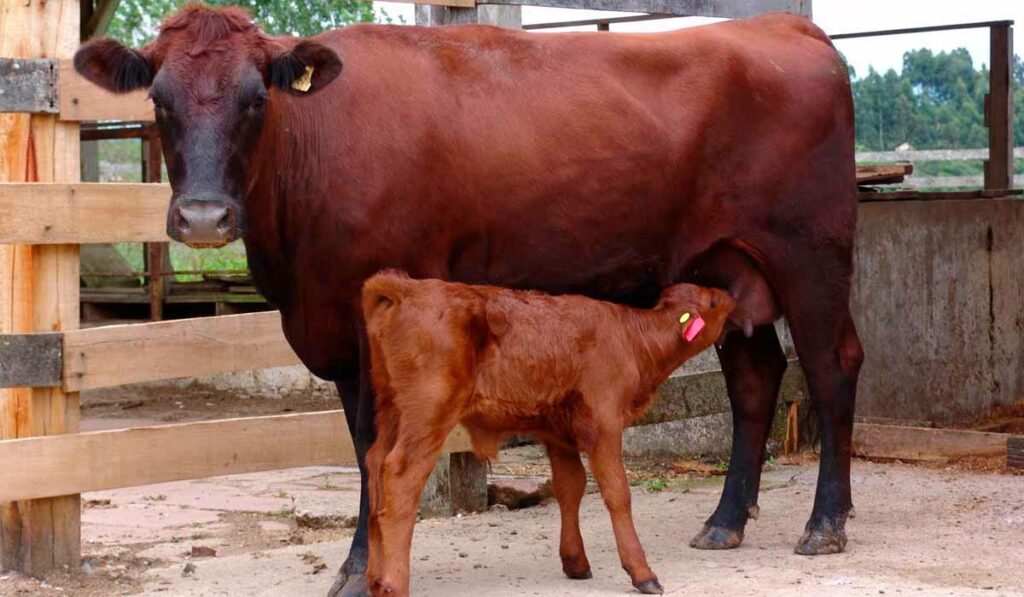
939 303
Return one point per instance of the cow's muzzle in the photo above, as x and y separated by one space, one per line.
204 221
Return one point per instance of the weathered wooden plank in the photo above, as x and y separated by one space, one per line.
999 109
39 535
97 357
58 465
922 443
885 174
28 85
926 155
31 360
81 100
702 8
48 213
1015 452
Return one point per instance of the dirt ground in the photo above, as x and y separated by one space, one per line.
918 531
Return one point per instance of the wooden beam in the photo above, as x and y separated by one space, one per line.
98 357
1015 452
922 443
39 287
156 259
999 109
701 8
81 100
99 19
40 213
47 466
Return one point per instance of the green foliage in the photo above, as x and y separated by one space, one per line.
136 21
655 485
937 102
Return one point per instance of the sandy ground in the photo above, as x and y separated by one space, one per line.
919 531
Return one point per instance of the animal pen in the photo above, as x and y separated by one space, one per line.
45 360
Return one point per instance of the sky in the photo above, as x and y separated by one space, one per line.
844 16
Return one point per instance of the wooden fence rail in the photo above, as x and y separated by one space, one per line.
47 466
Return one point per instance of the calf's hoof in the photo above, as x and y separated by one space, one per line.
650 587
576 567
819 542
349 584
712 537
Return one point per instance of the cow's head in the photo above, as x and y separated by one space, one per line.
210 74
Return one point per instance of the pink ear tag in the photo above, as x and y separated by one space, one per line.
695 326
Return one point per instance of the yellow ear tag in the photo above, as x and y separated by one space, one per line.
304 82
684 318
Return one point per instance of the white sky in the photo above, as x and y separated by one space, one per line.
842 16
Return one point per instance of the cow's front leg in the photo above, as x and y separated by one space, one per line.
753 369
357 400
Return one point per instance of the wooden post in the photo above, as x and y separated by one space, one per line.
459 481
38 287
156 257
999 109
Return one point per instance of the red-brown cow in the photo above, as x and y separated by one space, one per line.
600 164
570 370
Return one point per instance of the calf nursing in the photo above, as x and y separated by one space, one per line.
572 371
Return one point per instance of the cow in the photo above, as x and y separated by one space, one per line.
572 371
607 165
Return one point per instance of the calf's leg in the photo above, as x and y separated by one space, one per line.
753 369
606 463
396 479
569 480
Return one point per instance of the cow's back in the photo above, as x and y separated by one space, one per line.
592 163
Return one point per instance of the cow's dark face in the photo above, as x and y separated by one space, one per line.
209 74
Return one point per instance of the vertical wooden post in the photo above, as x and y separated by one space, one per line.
459 481
156 253
999 109
38 287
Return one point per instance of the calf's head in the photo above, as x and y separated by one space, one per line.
211 74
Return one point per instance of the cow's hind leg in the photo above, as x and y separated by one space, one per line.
569 481
817 306
753 369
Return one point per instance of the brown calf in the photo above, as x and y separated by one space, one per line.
570 370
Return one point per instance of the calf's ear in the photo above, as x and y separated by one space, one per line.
112 66
305 69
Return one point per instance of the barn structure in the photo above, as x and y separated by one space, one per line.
937 298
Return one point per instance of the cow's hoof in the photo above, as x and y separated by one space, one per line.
349 585
650 587
711 537
579 574
819 542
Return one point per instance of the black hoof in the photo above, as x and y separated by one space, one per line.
349 585
579 574
819 542
650 587
717 538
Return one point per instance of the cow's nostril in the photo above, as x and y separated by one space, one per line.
224 223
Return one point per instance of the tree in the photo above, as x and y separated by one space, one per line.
136 21
937 101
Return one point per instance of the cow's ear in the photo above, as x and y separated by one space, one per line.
107 63
306 68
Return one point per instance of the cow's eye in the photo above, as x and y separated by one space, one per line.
257 104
